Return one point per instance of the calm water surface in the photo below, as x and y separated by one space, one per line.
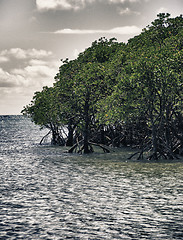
48 194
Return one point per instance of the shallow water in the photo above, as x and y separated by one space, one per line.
48 194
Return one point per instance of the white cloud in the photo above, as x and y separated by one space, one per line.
53 4
118 30
16 52
44 5
125 30
35 69
7 80
127 11
22 83
123 1
76 53
19 53
117 1
18 85
37 62
35 75
76 31
3 59
162 10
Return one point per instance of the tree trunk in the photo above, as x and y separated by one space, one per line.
70 134
56 139
86 127
102 135
154 140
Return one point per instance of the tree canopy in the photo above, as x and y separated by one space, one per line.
120 94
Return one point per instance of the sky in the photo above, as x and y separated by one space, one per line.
37 34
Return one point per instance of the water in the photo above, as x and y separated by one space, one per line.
48 194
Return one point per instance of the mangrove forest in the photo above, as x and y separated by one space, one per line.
119 94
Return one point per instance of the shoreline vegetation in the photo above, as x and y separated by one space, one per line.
117 94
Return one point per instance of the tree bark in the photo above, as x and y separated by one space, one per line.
102 135
86 127
154 139
69 142
56 139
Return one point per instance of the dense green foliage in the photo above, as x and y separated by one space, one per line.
120 94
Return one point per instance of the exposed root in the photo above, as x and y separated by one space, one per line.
79 147
105 149
44 137
74 147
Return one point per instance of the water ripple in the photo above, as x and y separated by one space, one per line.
47 194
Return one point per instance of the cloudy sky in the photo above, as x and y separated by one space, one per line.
36 34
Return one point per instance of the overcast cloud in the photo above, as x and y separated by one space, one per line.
36 34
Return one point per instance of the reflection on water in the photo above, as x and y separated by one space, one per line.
48 194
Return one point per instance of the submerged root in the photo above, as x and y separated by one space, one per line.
154 156
79 147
